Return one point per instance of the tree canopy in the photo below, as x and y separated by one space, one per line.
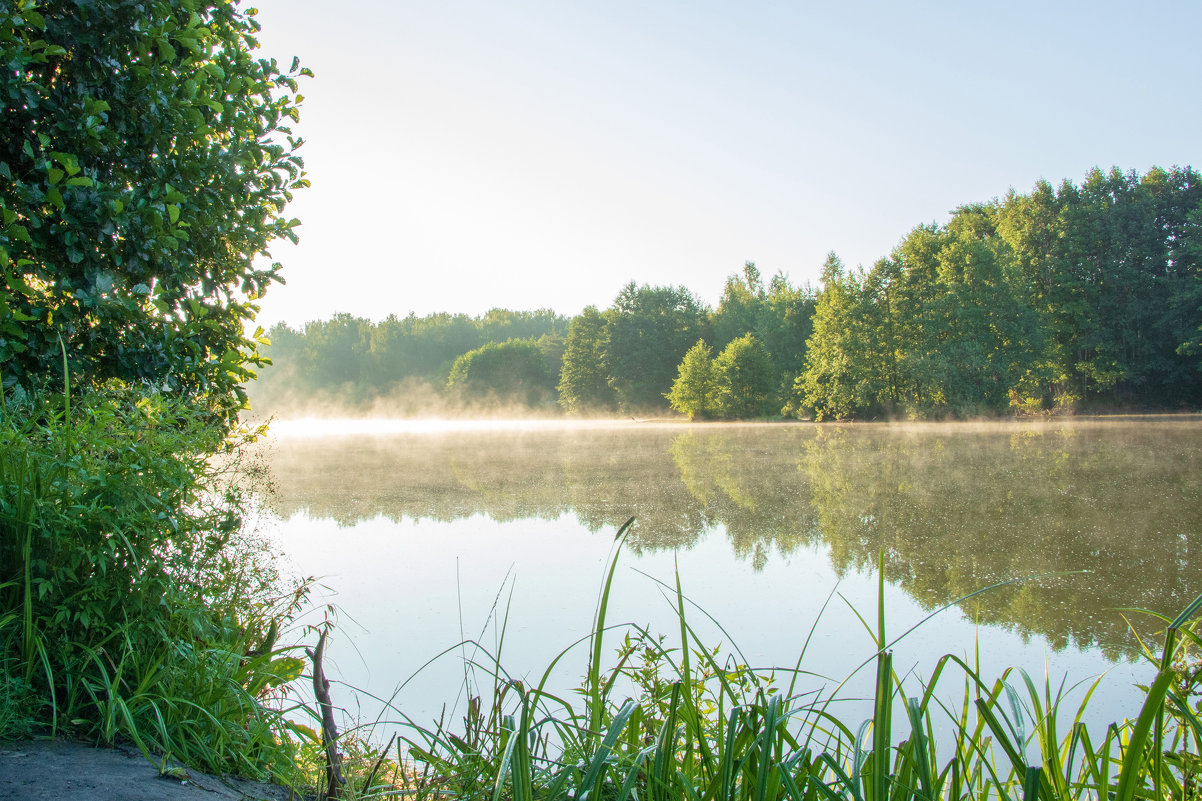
146 159
1081 297
1072 298
650 330
515 370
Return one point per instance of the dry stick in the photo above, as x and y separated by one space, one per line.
329 732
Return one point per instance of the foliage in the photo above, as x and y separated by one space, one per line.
693 391
650 329
584 379
129 605
744 381
839 374
742 305
779 316
700 728
354 362
1082 297
511 371
1079 297
145 163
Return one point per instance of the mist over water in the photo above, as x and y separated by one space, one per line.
419 524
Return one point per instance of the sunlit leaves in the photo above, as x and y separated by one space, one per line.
147 142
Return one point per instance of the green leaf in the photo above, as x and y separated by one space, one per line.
54 175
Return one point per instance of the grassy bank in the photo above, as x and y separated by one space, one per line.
133 606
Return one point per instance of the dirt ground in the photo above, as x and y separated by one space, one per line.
54 770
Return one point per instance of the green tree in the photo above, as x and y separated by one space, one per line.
146 160
744 380
693 391
840 378
741 308
335 352
584 377
786 323
145 164
650 329
513 371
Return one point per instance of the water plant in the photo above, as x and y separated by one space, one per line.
698 726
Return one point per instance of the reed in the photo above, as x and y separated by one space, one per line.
699 729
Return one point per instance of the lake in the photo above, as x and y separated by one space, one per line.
428 533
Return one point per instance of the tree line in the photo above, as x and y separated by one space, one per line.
1076 297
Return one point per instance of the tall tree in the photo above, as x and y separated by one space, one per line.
840 380
584 377
744 381
693 390
741 308
650 329
786 322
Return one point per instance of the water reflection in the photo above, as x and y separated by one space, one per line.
953 508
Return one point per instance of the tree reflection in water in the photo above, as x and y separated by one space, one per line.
954 507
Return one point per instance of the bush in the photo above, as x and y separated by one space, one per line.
124 604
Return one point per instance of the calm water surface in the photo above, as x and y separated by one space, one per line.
425 534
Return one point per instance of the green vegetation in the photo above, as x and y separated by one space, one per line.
515 370
1079 298
693 390
131 605
584 376
145 164
135 200
699 727
353 362
738 384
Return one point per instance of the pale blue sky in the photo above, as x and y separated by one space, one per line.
534 154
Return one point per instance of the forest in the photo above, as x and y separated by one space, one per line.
1069 298
1061 300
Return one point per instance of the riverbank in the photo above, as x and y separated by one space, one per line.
58 770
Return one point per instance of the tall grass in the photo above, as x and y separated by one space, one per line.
124 613
697 727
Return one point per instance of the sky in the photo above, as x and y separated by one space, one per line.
529 154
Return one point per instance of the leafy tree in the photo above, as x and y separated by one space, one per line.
786 323
693 392
514 370
584 377
145 162
744 381
741 308
650 329
335 352
780 317
840 379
